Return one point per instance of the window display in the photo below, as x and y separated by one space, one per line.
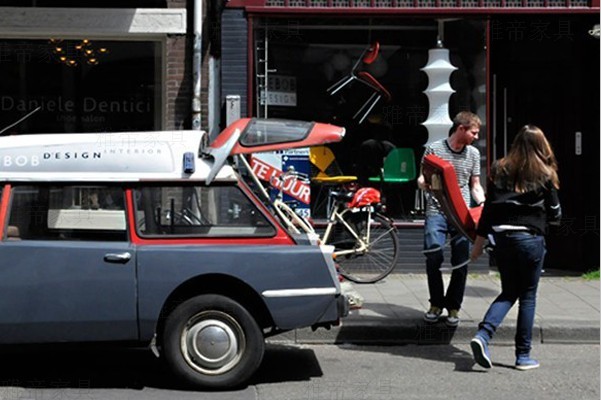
82 85
367 74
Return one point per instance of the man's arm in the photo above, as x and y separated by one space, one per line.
477 190
421 179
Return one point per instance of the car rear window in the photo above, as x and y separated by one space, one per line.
68 212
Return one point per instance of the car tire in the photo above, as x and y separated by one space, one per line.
211 341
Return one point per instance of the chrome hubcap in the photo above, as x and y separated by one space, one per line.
212 342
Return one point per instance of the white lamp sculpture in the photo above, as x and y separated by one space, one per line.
439 90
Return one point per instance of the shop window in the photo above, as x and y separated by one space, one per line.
198 211
82 85
320 52
93 213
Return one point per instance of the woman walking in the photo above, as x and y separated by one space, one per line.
521 198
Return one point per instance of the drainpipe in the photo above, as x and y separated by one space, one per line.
197 65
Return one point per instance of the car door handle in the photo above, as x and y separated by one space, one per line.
121 258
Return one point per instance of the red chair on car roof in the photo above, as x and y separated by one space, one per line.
441 176
357 73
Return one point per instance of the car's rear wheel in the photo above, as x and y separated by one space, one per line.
212 341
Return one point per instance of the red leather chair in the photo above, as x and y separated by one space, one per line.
357 73
441 176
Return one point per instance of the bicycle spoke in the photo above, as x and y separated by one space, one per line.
380 257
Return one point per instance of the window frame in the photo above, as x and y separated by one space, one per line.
273 229
72 234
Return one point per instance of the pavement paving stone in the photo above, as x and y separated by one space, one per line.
568 311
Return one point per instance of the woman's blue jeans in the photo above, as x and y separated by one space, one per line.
520 258
436 229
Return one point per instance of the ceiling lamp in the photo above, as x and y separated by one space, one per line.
71 53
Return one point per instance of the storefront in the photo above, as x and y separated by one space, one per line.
97 67
511 62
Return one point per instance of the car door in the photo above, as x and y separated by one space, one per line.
67 269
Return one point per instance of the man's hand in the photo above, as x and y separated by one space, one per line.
422 184
477 248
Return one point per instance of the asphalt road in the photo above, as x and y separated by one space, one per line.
321 372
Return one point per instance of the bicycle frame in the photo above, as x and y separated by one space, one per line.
336 216
298 225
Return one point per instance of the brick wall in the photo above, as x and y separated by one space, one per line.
178 82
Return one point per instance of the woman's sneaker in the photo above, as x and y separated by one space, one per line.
432 315
524 363
480 351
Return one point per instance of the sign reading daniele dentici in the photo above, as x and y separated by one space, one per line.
62 104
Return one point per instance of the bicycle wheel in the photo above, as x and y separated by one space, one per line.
380 257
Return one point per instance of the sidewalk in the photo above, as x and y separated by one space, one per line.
567 312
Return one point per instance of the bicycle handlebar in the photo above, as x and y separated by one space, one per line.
289 174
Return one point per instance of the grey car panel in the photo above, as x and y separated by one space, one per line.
162 269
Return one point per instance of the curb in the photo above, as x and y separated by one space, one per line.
373 334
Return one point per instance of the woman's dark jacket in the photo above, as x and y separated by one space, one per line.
532 209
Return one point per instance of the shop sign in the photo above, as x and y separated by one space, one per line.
281 91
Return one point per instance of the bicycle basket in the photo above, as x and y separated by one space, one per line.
364 197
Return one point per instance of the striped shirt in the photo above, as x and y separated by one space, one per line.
466 163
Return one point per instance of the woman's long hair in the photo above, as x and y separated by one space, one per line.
530 163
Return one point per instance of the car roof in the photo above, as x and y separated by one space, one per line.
119 157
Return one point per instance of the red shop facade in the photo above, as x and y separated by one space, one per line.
513 62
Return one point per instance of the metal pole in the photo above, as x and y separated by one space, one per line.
197 65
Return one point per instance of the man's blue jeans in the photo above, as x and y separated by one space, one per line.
436 229
519 259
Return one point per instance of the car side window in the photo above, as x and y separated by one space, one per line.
70 212
198 211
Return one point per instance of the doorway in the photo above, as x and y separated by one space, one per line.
547 74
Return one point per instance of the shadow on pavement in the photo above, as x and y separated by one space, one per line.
108 367
462 360
393 324
283 363
70 366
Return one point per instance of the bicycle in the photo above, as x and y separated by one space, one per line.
365 240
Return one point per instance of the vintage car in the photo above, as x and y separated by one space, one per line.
153 238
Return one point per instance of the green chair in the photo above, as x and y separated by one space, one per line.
398 168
